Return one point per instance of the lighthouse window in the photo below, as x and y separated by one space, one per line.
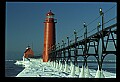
51 16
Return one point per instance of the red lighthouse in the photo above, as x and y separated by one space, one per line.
49 34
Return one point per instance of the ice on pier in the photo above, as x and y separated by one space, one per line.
37 68
82 75
99 74
88 75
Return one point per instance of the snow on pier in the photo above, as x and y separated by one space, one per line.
37 68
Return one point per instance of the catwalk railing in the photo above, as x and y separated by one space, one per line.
99 42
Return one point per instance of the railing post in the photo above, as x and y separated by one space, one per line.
75 50
58 52
61 54
63 50
102 37
85 49
98 26
68 50
85 34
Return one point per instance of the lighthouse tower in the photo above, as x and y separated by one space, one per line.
49 34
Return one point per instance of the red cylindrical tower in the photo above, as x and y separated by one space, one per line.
49 34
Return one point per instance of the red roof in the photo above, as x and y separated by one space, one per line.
28 53
49 13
